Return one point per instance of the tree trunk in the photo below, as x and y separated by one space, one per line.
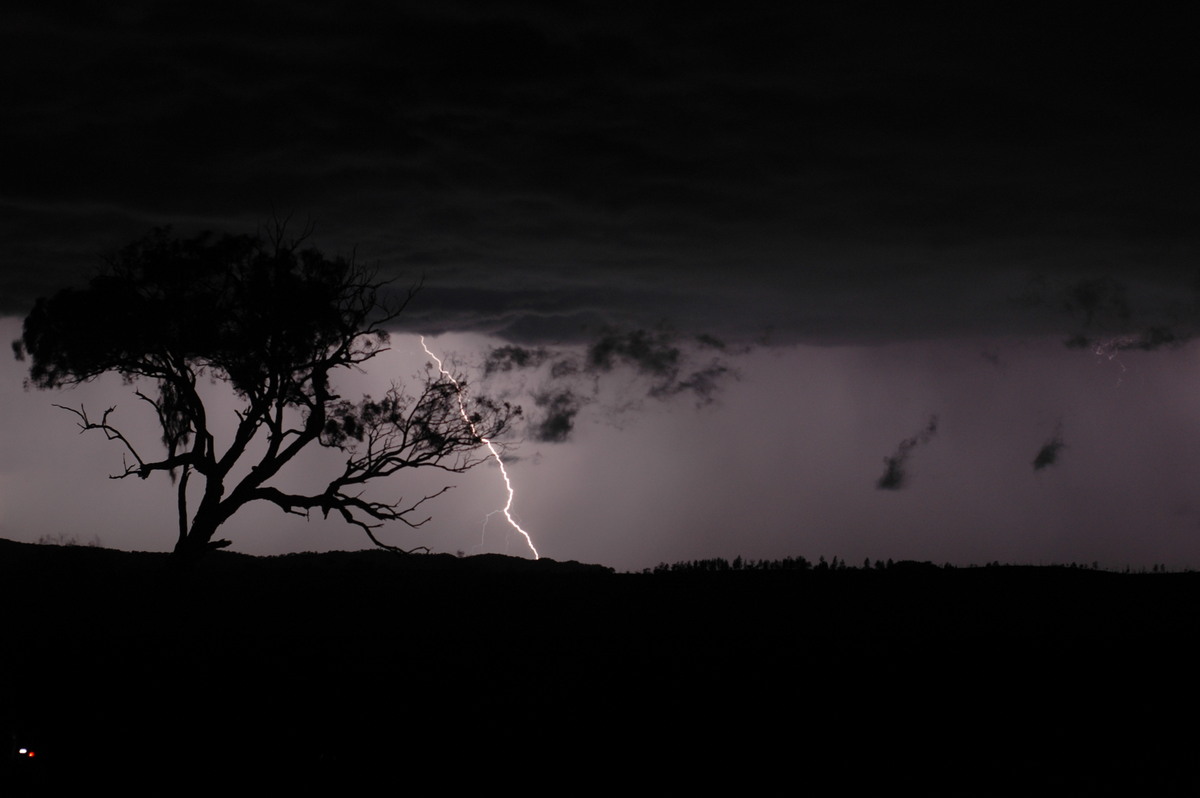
198 542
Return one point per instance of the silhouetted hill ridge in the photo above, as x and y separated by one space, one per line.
314 669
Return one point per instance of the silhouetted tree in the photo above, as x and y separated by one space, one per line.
274 320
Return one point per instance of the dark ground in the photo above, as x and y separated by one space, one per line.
321 671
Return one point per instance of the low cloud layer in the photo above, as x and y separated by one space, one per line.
1110 315
614 373
833 174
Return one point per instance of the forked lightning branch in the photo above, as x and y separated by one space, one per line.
462 408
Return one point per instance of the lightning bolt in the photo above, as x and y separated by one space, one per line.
462 409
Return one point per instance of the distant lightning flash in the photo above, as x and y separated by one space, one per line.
462 409
1111 348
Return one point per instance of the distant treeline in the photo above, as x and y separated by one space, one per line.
799 563
787 564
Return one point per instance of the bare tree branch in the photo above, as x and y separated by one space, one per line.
143 469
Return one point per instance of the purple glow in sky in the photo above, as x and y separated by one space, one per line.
728 263
785 461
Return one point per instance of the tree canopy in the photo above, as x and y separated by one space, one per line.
275 320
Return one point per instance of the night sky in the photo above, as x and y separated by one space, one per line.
768 281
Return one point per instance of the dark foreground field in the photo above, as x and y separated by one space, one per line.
435 673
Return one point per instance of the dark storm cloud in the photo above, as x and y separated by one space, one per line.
1146 341
564 367
1100 300
1111 323
527 316
838 174
660 356
703 383
895 475
1110 317
503 359
650 352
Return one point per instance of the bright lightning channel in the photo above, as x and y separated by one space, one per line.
462 409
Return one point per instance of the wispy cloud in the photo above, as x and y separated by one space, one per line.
646 364
1048 454
895 474
556 417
